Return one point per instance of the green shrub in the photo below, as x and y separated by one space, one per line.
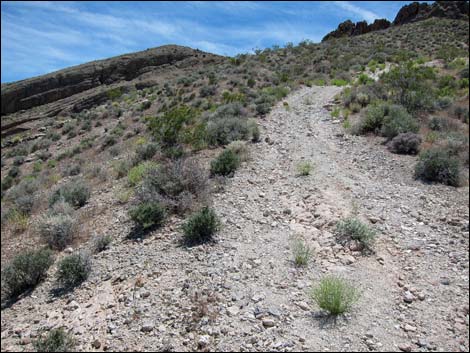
335 295
240 149
169 128
145 152
339 82
355 229
76 193
254 132
114 93
374 117
56 340
121 168
73 270
398 121
225 164
304 168
25 271
302 252
201 226
135 174
101 243
148 215
438 165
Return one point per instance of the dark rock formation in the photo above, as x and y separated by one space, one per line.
65 83
421 11
409 13
348 28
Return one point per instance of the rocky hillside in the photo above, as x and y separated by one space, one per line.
195 202
118 72
409 13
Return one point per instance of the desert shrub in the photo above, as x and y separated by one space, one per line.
14 171
101 243
114 93
228 123
229 97
374 117
175 184
73 270
25 271
56 340
438 165
207 91
145 152
225 163
254 132
57 230
41 145
411 87
353 228
240 149
364 79
148 215
18 160
304 168
145 105
363 99
335 295
18 221
7 183
201 226
109 140
121 168
398 121
301 252
72 169
339 82
76 193
405 143
135 174
23 195
170 128
442 103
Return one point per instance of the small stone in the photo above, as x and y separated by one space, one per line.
68 250
409 328
445 281
408 297
404 347
232 311
267 322
147 327
203 341
303 306
96 344
73 305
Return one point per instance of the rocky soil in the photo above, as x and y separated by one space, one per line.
243 292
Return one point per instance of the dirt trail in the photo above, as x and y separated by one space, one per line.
244 293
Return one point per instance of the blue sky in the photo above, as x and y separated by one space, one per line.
41 37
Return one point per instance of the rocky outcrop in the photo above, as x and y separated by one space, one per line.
409 13
61 84
421 11
349 28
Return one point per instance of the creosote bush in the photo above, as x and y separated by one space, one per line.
353 228
225 164
25 271
73 270
56 340
335 295
438 165
148 215
201 226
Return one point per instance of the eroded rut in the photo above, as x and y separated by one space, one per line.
244 293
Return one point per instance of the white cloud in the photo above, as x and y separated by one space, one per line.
367 15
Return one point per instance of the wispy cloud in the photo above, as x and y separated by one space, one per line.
367 15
